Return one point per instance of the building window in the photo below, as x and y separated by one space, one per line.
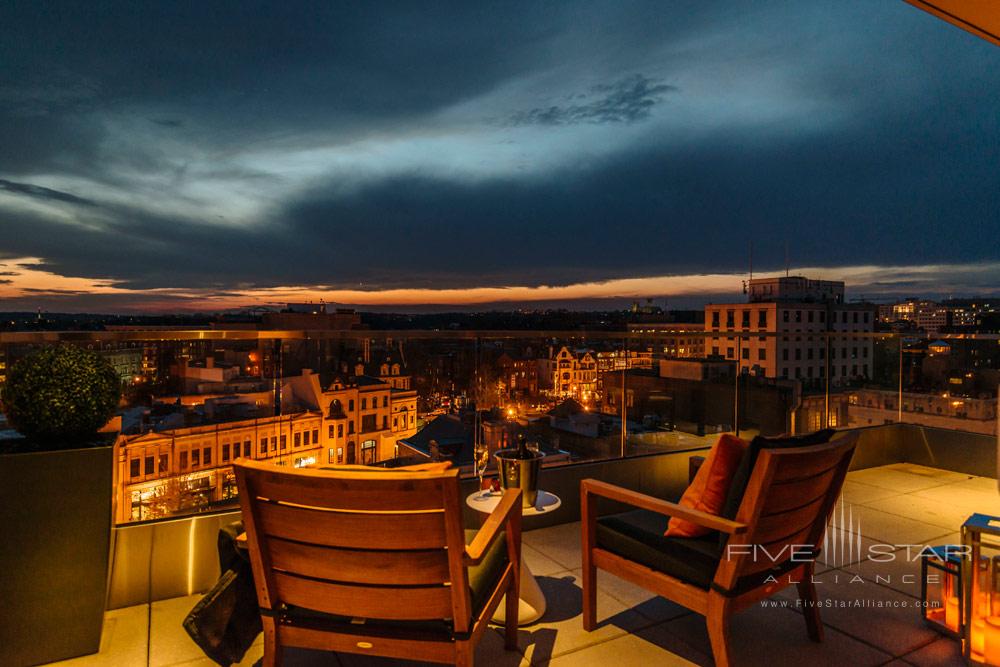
730 319
798 315
745 320
206 456
715 350
195 458
368 452
364 403
350 426
340 454
297 440
133 468
246 449
809 353
746 353
225 452
368 423
274 443
810 317
329 431
182 461
350 405
148 465
798 354
762 319
263 445
315 436
784 316
729 353
284 441
340 430
784 354
385 422
761 354
385 401
715 319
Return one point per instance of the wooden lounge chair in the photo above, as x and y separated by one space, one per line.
376 562
771 542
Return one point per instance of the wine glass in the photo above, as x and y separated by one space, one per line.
482 459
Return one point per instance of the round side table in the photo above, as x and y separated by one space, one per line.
532 600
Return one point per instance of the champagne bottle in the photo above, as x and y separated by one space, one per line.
522 447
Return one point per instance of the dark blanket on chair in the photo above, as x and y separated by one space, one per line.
226 621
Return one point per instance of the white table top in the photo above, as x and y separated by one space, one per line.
486 502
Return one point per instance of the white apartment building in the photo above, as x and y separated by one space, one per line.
797 334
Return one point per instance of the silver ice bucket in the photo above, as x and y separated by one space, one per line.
518 473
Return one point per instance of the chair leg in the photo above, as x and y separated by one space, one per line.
272 652
589 593
513 606
717 620
810 606
588 535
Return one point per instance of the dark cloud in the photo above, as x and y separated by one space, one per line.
862 135
43 193
624 101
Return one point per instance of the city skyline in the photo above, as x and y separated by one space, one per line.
169 159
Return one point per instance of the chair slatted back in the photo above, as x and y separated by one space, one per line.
376 545
787 505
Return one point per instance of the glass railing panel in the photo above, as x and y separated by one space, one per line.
193 401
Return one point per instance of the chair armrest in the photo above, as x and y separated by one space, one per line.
636 499
509 505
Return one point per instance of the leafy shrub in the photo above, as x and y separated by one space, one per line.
60 396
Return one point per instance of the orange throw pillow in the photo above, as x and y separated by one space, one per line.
707 491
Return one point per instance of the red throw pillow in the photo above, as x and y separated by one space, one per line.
707 491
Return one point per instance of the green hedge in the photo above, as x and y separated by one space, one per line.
60 396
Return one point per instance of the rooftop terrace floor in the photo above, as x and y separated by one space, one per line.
896 504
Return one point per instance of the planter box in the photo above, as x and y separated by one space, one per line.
55 533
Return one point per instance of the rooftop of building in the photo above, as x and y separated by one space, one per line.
895 504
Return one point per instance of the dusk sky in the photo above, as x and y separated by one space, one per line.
172 156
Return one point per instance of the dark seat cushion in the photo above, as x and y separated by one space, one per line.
483 579
638 536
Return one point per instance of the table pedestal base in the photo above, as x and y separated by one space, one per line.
531 606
